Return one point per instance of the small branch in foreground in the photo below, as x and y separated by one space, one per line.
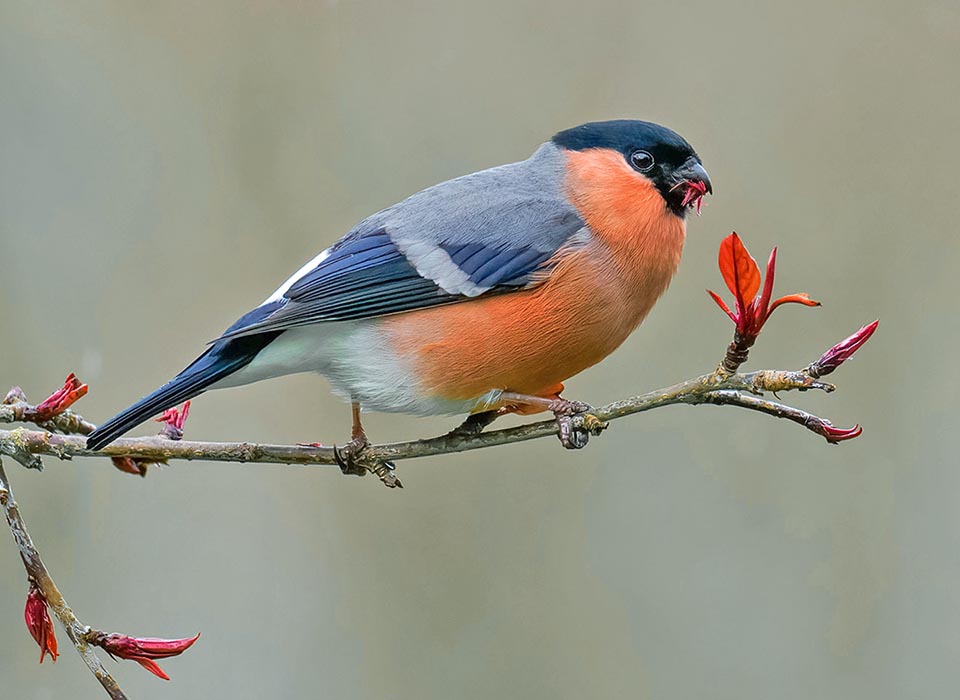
54 413
44 593
41 580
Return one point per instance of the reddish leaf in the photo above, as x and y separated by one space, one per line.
793 299
60 400
39 624
767 292
151 666
722 304
740 271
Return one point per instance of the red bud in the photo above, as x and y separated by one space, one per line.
60 400
843 351
740 271
144 649
830 433
129 465
173 420
37 617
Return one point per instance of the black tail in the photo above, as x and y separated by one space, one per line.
220 360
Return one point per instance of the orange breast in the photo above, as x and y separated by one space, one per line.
530 341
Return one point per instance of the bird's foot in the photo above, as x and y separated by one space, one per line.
575 423
348 456
354 458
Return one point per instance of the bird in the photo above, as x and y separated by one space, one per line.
478 296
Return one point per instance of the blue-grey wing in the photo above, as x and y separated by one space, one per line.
487 233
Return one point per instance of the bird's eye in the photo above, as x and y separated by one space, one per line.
641 160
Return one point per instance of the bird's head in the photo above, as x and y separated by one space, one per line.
623 161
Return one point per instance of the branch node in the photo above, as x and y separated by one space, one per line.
18 448
589 423
786 380
737 353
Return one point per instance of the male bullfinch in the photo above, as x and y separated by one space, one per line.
477 296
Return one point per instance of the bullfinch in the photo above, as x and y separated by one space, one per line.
477 296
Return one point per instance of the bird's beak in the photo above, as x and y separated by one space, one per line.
693 171
691 184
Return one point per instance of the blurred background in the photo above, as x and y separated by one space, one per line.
163 166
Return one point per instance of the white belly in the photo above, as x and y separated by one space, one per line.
355 357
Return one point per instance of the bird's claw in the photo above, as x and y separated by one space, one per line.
353 459
575 423
348 457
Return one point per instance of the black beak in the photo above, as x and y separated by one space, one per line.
693 170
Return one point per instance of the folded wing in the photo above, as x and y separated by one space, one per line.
492 232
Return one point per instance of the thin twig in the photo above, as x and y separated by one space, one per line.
37 574
737 389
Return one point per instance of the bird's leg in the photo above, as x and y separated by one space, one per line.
575 423
348 454
357 434
474 424
352 459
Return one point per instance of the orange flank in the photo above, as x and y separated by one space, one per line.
529 342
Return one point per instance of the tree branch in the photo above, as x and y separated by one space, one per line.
39 576
716 388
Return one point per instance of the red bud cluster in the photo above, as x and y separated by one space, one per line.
173 420
742 275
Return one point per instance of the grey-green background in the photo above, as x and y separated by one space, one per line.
163 166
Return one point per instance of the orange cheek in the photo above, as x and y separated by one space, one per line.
626 211
618 203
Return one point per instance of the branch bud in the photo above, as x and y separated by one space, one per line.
842 351
143 650
39 624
